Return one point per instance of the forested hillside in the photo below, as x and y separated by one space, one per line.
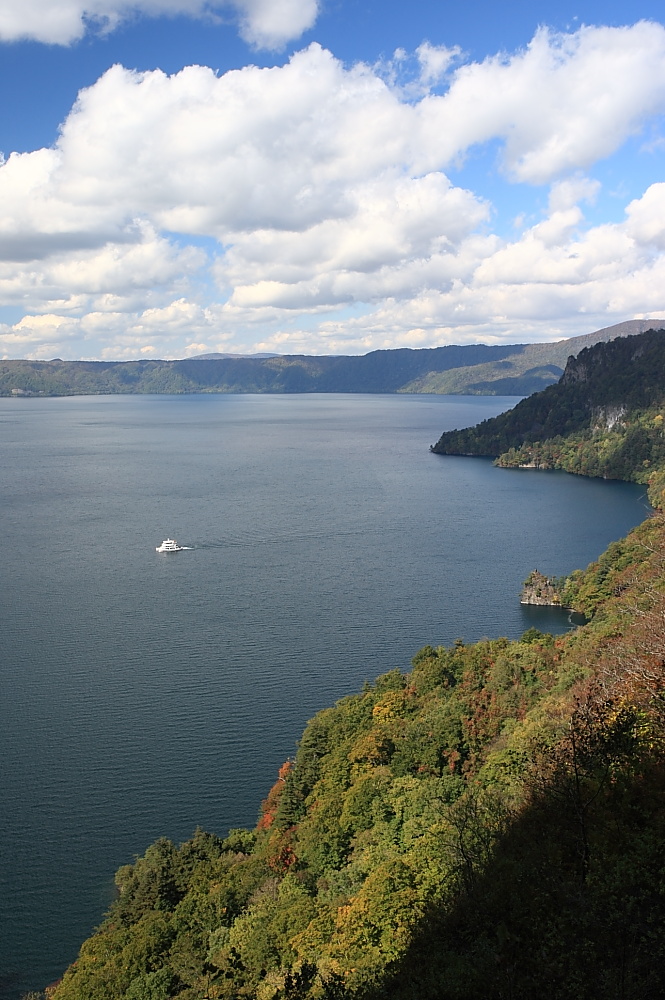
486 826
489 825
604 418
525 370
513 369
379 371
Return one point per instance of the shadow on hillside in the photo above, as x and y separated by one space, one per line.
543 921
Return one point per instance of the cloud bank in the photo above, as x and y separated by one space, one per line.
267 24
309 207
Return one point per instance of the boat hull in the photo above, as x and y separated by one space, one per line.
169 545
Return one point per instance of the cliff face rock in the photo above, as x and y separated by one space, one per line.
576 371
606 418
600 359
539 589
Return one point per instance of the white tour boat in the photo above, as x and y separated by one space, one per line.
169 545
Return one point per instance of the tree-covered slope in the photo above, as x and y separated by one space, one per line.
603 418
489 825
477 369
379 371
526 369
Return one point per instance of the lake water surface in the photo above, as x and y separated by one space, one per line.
144 694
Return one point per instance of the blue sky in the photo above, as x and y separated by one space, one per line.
326 176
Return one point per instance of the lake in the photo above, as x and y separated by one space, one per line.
146 694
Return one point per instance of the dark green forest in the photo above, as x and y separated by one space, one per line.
603 418
488 825
478 369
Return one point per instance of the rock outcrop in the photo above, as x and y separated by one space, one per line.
540 589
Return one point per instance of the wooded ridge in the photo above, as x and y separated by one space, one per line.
486 826
476 369
603 418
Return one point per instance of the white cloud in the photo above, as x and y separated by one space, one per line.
322 194
565 102
646 217
270 24
435 61
40 337
413 75
539 288
399 231
567 193
107 278
266 24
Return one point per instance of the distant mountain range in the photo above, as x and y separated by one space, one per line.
217 357
476 369
526 368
